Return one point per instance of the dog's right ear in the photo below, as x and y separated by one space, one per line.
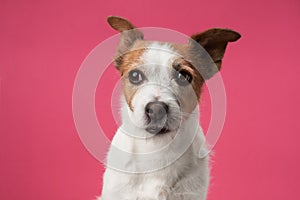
129 35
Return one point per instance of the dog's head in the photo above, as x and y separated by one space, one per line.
162 81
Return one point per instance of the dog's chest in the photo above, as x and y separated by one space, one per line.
152 185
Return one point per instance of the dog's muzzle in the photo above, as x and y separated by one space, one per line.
156 113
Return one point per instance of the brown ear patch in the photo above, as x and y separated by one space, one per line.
214 41
119 24
217 35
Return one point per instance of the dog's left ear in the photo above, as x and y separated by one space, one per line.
214 41
129 35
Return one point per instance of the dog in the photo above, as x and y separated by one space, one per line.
159 151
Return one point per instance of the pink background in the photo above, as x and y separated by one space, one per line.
42 44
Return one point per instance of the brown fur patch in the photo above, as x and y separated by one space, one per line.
119 24
184 63
129 93
193 92
130 61
197 80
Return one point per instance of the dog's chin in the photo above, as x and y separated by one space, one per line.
157 130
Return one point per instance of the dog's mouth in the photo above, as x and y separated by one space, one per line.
157 130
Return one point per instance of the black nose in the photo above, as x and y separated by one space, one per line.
156 110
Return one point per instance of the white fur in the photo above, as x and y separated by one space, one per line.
141 166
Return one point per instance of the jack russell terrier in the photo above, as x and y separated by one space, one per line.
159 152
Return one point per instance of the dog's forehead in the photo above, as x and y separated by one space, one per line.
157 60
157 53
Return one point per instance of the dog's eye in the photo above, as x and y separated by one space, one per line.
183 78
136 76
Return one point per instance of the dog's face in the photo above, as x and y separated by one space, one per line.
159 86
162 81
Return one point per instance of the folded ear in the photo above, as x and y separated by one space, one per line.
129 35
214 41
